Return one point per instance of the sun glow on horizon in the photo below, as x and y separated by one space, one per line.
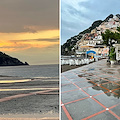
21 41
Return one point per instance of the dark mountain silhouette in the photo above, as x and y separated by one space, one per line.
6 60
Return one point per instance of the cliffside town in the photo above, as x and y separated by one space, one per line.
91 38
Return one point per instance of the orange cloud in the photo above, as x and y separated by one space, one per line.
22 41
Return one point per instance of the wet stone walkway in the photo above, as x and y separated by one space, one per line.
91 92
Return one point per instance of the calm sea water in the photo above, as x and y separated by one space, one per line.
32 71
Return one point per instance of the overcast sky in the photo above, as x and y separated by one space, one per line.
78 15
29 30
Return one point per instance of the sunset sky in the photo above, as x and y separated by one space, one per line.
29 30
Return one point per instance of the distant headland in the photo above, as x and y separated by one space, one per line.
6 60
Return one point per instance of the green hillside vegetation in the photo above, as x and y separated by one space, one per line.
72 41
108 35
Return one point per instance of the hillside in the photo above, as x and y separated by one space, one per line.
6 60
66 48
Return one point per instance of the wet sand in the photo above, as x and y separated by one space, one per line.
32 99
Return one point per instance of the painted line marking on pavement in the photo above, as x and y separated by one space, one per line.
93 115
75 100
114 114
106 109
69 91
66 112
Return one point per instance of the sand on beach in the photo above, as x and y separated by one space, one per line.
45 116
34 99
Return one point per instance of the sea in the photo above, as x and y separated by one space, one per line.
31 71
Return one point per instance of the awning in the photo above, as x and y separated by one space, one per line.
90 51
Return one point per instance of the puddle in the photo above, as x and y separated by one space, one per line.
85 75
112 88
110 72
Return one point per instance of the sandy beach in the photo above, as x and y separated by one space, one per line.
29 99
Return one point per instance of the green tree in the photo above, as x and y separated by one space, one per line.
112 54
118 29
108 35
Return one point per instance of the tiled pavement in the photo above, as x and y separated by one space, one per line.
91 92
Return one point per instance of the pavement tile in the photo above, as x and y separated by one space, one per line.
103 75
70 75
65 82
116 110
118 82
83 108
73 95
92 91
68 87
110 86
98 81
63 78
85 77
92 78
78 72
63 115
104 116
84 84
118 93
78 80
107 99
112 79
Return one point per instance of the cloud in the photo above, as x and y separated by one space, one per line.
21 41
37 55
78 15
56 39
77 18
16 15
22 45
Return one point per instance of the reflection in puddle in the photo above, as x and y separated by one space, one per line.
85 75
91 69
110 88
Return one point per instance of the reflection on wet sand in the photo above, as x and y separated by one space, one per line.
14 81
